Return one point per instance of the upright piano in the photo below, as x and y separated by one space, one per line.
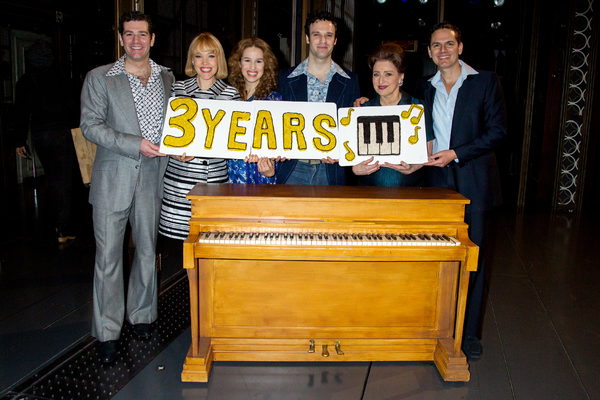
327 273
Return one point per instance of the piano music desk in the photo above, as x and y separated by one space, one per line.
257 301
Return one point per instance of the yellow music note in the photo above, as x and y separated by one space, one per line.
414 138
346 120
350 154
413 120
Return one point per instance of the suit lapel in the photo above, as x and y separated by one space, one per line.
462 99
118 86
299 88
336 89
429 95
166 82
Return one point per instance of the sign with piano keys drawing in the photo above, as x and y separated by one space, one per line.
389 134
294 130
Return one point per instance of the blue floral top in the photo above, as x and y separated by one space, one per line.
243 172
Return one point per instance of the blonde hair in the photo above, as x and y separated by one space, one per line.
206 42
267 83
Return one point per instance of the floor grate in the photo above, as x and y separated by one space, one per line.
80 375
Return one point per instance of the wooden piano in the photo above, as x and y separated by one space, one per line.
327 273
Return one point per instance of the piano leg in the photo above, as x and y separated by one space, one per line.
193 279
463 288
197 366
448 357
452 367
191 264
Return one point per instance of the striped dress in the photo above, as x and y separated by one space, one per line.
181 177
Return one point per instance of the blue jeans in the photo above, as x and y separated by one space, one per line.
308 174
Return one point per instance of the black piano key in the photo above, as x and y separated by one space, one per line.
378 132
390 132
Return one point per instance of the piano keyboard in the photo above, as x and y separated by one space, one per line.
326 239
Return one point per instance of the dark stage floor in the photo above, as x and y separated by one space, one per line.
540 339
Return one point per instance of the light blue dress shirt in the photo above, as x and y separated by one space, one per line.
443 106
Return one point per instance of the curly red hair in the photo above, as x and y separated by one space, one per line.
267 83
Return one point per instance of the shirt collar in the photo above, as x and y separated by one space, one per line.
465 70
302 69
119 67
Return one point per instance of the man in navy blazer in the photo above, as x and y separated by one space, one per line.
469 122
317 79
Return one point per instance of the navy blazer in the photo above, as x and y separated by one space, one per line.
478 127
341 91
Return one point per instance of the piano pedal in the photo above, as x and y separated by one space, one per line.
338 349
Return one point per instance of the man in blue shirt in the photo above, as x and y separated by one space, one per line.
469 122
317 79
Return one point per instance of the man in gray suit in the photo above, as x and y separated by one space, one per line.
123 107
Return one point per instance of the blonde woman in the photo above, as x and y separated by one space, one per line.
206 66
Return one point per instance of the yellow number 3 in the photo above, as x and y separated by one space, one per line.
183 122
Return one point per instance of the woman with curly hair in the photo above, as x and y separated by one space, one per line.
253 72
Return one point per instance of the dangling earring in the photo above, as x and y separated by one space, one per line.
401 82
192 63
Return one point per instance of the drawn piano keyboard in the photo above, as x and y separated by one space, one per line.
326 239
378 135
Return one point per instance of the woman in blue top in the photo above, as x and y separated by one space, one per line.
253 72
388 63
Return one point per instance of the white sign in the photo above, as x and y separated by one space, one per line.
294 130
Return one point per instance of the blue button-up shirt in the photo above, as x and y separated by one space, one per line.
317 90
443 106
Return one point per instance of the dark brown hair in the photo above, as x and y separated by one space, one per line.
319 16
136 16
446 25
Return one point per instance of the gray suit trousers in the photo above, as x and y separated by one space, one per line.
109 230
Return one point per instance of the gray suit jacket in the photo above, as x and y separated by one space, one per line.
109 119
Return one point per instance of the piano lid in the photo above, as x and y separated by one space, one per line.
325 192
326 203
